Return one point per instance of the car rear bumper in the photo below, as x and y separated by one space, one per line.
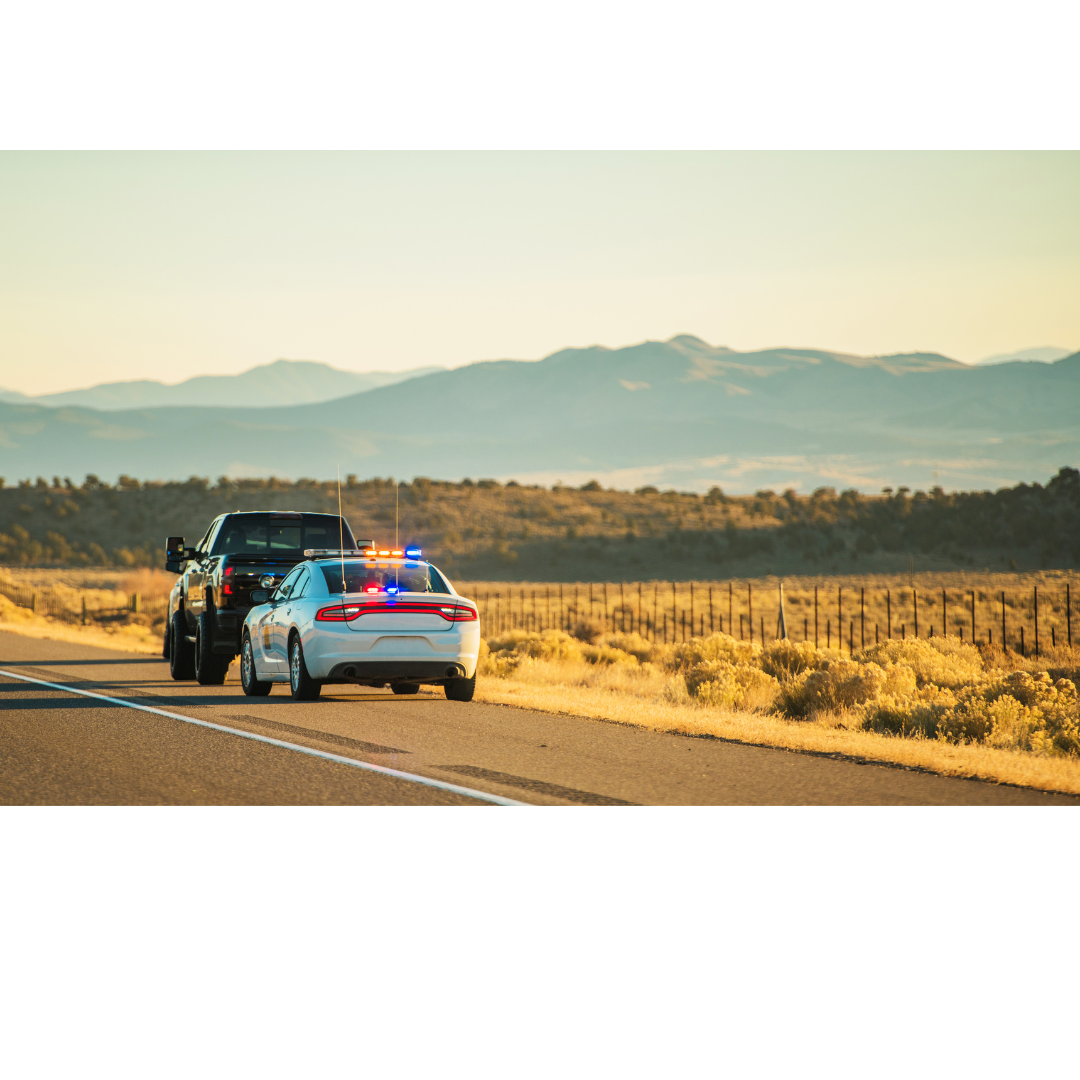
383 671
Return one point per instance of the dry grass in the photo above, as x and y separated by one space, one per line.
128 637
600 703
942 706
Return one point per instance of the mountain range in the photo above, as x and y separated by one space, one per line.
284 382
679 413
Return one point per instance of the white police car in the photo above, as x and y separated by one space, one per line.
370 617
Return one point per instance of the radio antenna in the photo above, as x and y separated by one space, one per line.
341 536
397 516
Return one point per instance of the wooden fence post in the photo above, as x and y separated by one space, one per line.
1036 588
1004 639
973 637
862 617
84 611
888 613
944 614
815 618
915 609
750 609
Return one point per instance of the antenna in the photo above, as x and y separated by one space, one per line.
341 537
397 517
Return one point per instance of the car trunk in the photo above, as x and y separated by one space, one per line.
405 615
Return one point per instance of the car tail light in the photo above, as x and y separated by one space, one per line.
339 613
348 612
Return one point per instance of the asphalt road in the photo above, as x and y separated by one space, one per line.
57 747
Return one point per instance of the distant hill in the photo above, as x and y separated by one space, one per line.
284 382
1045 354
679 413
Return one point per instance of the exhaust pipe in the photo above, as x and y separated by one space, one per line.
455 671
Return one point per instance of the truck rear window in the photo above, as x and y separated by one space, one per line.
264 534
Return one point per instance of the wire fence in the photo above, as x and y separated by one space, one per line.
75 606
849 618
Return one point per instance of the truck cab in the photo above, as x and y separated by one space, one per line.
240 557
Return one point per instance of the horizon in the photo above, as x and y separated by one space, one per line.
121 266
1015 355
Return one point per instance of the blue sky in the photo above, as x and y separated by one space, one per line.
122 265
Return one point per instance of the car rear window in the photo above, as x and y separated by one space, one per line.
270 534
378 576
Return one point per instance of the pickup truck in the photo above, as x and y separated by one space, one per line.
241 554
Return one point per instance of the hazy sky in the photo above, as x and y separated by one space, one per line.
166 265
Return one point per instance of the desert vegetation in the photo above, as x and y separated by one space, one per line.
509 532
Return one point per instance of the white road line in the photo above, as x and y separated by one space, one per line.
472 793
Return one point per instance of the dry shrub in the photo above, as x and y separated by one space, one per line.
1018 711
686 654
785 659
634 644
931 689
938 661
738 686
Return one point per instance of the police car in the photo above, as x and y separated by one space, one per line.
369 617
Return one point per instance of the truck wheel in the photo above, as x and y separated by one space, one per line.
166 646
253 686
210 670
405 688
302 685
181 651
460 689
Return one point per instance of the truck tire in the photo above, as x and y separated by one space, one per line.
166 645
181 651
249 680
210 670
460 689
302 685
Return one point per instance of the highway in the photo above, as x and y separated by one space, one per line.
364 747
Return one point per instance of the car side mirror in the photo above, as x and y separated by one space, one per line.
259 596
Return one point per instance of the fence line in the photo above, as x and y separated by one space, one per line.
678 611
73 607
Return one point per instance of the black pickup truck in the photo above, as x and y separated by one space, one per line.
236 557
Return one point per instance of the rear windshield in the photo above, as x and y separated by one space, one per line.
380 576
268 534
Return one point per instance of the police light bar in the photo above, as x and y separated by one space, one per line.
322 553
412 553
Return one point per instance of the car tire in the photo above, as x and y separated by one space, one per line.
460 689
302 685
253 686
181 651
405 688
166 645
210 669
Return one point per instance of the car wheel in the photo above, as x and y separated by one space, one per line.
460 689
302 685
253 686
210 669
405 687
181 651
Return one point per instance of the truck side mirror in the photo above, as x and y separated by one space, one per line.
174 554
